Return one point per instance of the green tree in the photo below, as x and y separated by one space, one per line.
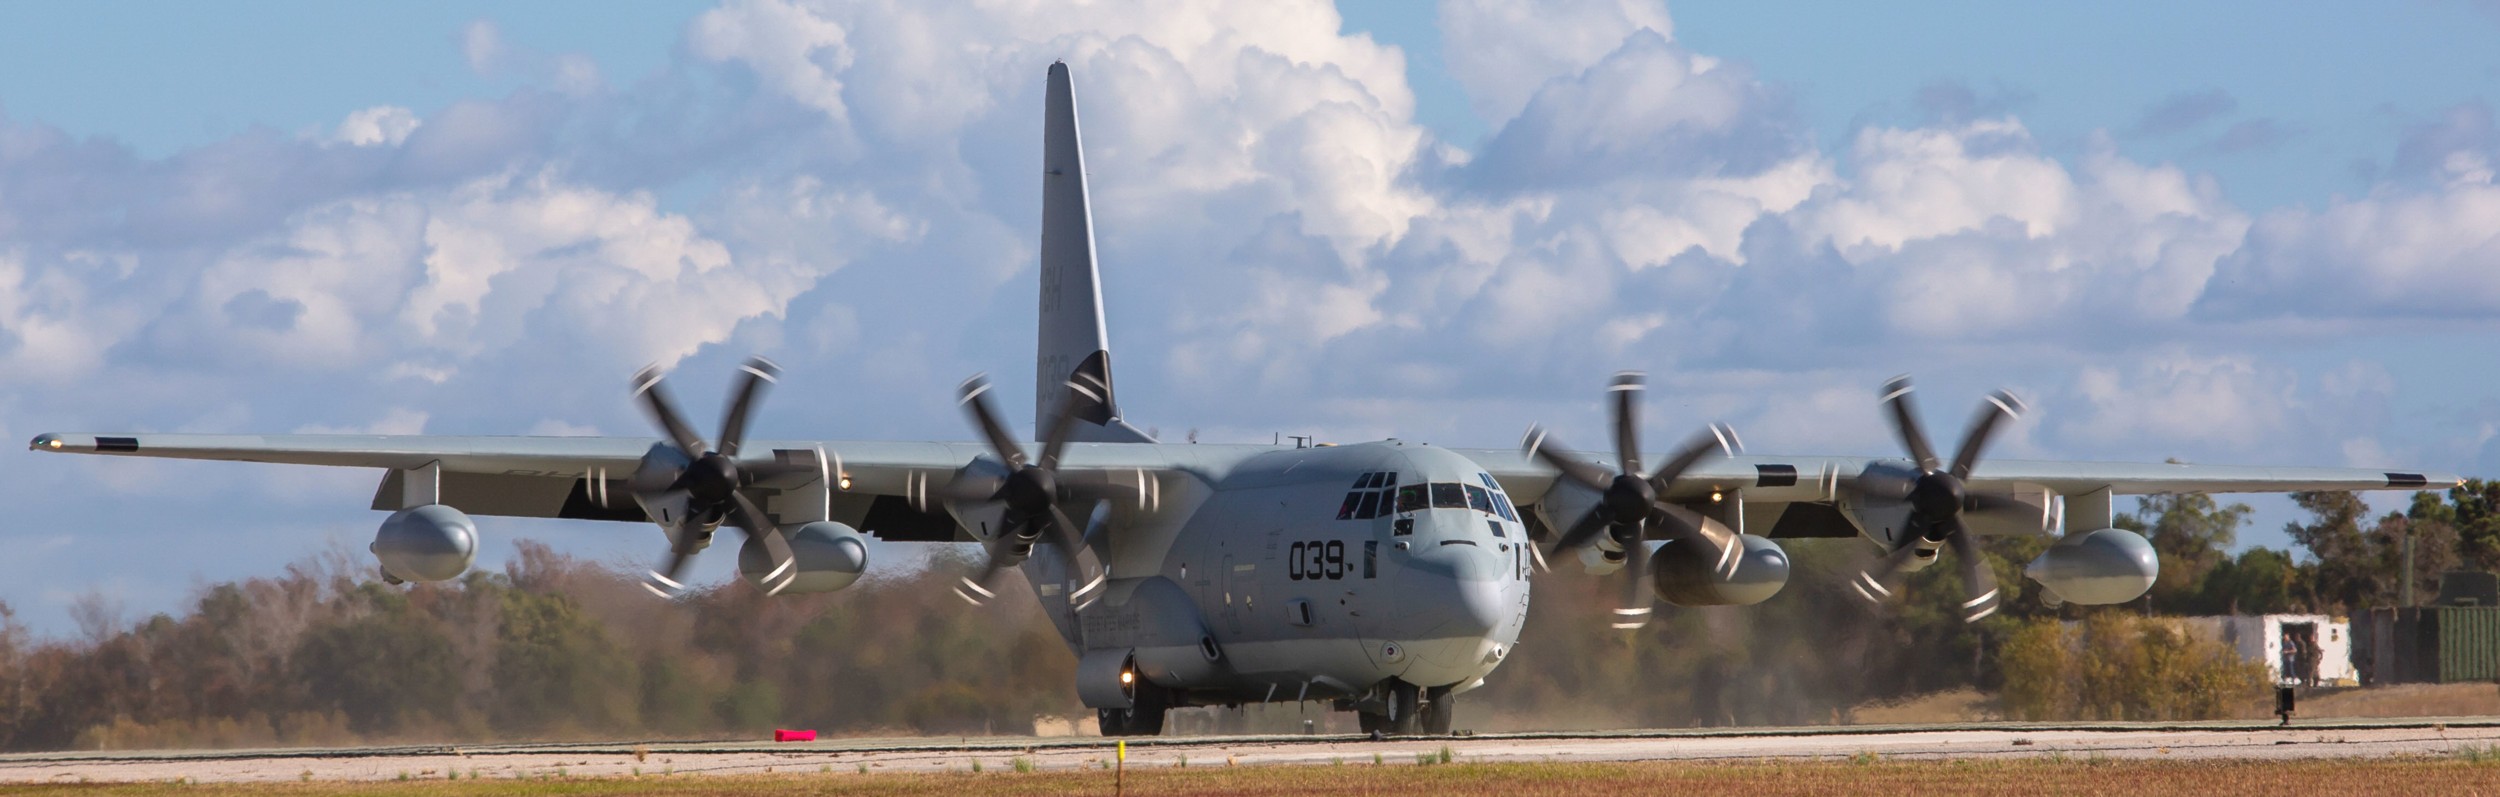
2429 529
2258 581
2346 573
2193 537
556 670
390 670
2475 512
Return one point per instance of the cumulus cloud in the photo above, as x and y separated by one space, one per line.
379 125
851 188
1504 52
2421 246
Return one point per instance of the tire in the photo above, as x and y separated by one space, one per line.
1372 723
1440 710
1405 709
1145 715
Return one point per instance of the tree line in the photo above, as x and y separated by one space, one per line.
554 647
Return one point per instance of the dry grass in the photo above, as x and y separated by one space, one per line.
1954 706
2377 702
1865 775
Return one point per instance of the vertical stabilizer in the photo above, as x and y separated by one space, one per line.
1072 343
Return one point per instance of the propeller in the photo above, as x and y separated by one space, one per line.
711 478
1629 502
1031 489
1938 498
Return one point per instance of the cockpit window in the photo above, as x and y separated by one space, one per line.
1448 495
1363 503
1480 500
1411 498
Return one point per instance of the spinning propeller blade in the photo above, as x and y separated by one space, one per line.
711 479
1938 498
1630 502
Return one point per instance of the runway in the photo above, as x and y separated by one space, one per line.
2183 741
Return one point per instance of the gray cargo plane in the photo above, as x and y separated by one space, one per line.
1385 577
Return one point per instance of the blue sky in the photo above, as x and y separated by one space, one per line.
2227 232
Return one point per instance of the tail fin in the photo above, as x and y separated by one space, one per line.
1072 343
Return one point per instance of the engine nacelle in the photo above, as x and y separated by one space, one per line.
1687 575
829 556
426 543
2097 567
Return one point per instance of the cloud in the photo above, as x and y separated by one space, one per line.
851 189
1953 102
2421 246
379 125
481 45
2179 113
1503 52
2186 398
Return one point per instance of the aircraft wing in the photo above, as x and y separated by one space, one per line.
580 478
1815 478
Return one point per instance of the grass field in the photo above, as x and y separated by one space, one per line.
2469 772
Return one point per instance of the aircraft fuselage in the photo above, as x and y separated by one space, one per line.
1317 573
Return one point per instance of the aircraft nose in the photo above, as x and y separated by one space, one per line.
1459 594
1476 608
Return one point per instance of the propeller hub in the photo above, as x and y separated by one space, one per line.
712 479
1031 490
1937 495
1629 498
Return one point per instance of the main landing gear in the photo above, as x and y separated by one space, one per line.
1143 717
1409 710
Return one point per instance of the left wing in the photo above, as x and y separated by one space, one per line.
876 486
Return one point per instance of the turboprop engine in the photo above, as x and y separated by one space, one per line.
425 543
826 556
2096 568
1688 575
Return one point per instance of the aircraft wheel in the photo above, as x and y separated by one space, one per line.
1405 709
1143 717
1440 709
1372 723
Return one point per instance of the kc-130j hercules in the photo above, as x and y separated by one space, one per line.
1386 577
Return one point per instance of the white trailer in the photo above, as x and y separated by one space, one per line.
2304 649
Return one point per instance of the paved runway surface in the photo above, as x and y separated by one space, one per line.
2323 739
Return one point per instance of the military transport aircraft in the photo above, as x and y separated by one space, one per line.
1385 577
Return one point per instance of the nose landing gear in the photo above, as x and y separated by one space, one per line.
1408 710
